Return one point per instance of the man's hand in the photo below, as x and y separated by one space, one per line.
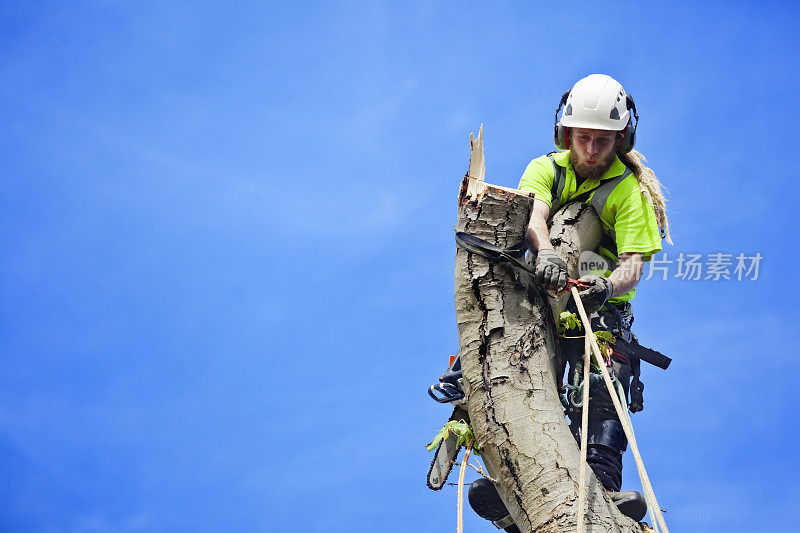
598 293
550 271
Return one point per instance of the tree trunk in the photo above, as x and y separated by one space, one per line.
507 343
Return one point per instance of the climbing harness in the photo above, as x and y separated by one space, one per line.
619 324
627 426
597 198
575 392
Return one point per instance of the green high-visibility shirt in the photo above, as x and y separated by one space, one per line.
627 215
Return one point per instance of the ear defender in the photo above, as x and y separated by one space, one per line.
560 133
629 137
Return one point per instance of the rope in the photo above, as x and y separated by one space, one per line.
460 491
584 434
626 422
653 521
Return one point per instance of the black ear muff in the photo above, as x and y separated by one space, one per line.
561 137
629 137
560 133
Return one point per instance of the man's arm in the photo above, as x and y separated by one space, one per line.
537 233
623 279
550 271
628 273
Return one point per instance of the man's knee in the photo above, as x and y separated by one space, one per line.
606 444
607 434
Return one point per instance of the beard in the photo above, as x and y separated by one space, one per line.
584 171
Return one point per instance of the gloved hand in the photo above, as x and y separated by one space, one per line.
550 271
598 293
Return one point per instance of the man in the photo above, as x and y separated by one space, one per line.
596 165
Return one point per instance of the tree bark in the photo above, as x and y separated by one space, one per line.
508 344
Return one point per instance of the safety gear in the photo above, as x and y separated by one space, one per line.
619 204
599 291
606 436
596 102
550 271
604 455
618 322
609 434
630 503
485 501
598 197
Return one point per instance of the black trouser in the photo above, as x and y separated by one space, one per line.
606 438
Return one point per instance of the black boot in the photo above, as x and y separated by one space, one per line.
486 502
630 503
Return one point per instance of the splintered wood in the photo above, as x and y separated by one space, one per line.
477 167
475 184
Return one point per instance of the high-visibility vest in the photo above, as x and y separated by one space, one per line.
598 199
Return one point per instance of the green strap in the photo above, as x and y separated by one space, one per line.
559 182
598 201
605 189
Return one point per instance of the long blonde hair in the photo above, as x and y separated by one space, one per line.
650 188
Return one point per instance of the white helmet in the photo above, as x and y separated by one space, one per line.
597 102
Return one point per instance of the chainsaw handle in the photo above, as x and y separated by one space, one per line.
449 392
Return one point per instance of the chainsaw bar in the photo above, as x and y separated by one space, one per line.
445 455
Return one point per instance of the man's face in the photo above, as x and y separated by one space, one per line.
592 151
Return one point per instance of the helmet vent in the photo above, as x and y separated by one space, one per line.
568 110
614 114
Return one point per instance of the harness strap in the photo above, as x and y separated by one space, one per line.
598 199
637 387
559 182
605 189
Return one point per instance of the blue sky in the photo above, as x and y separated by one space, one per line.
227 251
